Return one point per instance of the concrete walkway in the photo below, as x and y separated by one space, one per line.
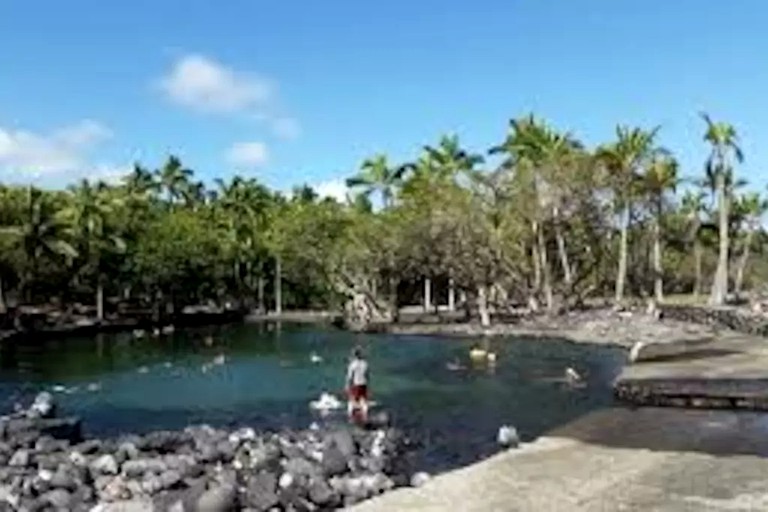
612 460
729 371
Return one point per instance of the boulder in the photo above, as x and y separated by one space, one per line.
260 493
42 407
343 440
137 505
333 461
165 441
20 459
301 468
136 468
58 499
321 493
62 478
104 465
28 430
218 499
419 479
508 437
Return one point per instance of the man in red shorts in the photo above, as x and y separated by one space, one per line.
357 386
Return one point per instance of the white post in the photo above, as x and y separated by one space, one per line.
451 295
427 294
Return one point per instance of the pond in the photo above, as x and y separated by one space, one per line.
119 384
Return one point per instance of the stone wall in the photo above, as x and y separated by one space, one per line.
726 317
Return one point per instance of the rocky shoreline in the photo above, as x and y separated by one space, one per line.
602 326
45 464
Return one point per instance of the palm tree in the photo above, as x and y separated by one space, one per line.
522 150
693 207
40 233
378 176
449 159
624 160
141 181
174 179
245 204
751 207
660 177
724 142
553 153
88 213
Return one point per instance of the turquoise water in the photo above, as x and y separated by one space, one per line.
118 384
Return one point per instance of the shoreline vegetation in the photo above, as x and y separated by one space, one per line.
539 221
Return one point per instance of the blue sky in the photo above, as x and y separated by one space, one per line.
294 92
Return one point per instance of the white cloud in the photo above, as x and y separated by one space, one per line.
248 154
27 154
336 188
110 174
203 84
286 128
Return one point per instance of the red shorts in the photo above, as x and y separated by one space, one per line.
357 393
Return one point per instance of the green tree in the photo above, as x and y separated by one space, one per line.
40 233
660 178
693 207
89 212
751 207
378 176
724 152
624 161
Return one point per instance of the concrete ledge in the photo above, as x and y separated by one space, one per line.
659 350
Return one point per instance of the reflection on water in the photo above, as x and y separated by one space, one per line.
265 376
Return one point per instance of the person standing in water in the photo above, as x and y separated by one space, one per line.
357 386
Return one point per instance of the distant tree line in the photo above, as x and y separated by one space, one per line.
554 223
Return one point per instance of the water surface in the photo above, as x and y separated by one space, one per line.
119 384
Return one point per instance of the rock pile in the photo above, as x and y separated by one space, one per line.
44 466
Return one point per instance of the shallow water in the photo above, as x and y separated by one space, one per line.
120 384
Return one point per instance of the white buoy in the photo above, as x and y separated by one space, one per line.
314 358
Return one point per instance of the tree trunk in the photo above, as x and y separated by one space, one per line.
278 286
482 306
658 283
99 298
561 249
621 274
260 294
393 299
546 274
451 295
3 303
697 253
720 282
742 265
427 294
536 259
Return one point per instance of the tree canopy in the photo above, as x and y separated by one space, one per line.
538 219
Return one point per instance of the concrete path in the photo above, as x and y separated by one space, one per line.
730 371
612 460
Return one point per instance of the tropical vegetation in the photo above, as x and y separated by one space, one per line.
540 220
